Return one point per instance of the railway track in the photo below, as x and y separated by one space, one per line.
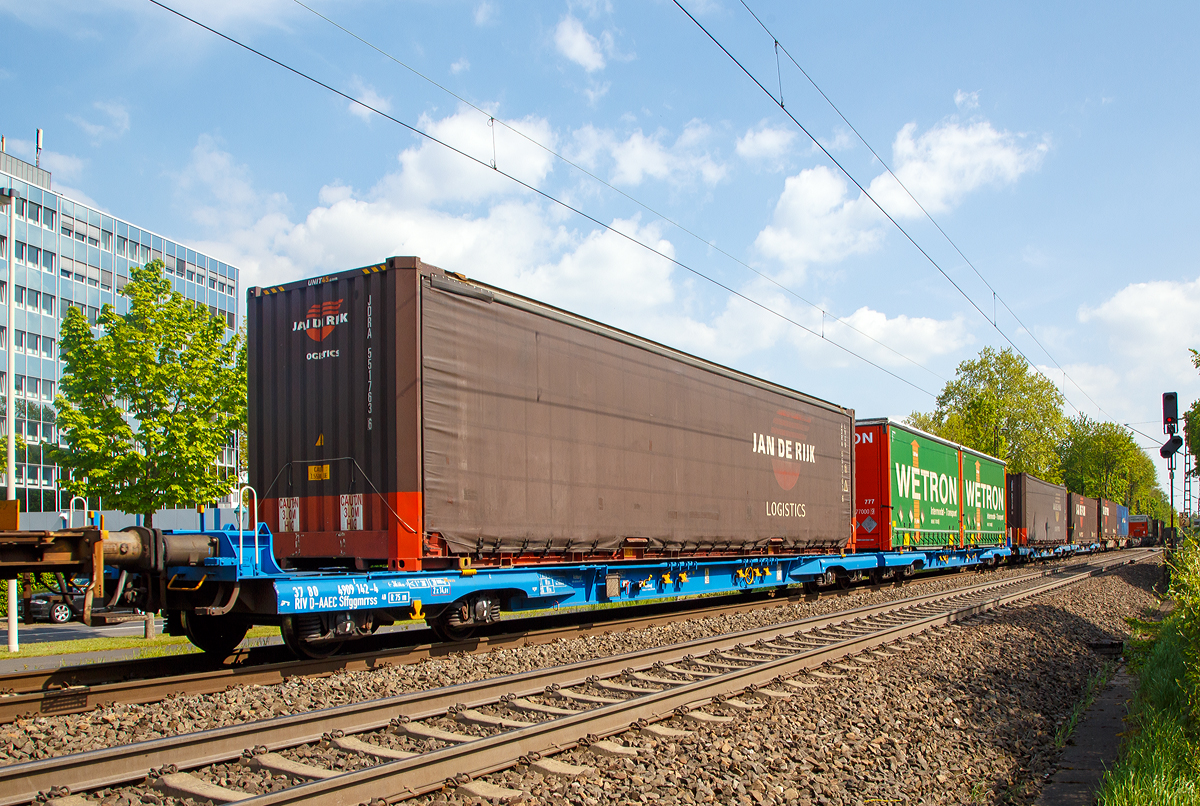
403 746
81 688
76 689
58 692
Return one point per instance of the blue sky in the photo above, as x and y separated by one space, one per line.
1054 143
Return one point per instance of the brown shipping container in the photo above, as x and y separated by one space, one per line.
1083 518
1110 520
1037 511
401 415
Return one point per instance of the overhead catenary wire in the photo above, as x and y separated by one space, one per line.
928 257
995 295
492 120
867 195
547 196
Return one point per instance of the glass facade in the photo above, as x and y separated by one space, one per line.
68 255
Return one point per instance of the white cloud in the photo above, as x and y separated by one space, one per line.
815 221
574 42
446 212
460 66
485 13
818 220
597 91
367 95
765 142
917 337
219 192
966 100
640 156
1150 327
115 124
950 160
842 141
431 173
604 270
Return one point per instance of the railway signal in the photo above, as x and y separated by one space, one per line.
1170 413
1169 448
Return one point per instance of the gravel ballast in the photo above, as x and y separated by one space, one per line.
121 723
969 716
999 687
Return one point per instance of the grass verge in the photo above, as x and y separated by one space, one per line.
153 648
1160 759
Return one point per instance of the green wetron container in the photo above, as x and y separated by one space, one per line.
925 489
983 499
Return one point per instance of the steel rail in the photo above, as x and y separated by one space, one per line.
20 783
457 764
76 689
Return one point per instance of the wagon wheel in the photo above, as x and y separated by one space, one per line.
219 635
301 648
450 633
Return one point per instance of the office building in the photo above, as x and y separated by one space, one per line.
67 254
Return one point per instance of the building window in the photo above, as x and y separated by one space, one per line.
32 299
47 347
20 340
47 305
47 394
48 217
20 252
48 260
34 215
106 240
33 343
32 387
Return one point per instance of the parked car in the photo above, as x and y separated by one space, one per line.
46 606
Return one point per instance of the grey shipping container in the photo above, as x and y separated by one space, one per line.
1037 511
403 415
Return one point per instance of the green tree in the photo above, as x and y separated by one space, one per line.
1103 460
999 405
146 406
1098 459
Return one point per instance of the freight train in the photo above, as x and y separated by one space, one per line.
424 447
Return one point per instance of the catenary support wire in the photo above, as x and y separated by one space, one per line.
661 216
778 46
928 257
547 196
